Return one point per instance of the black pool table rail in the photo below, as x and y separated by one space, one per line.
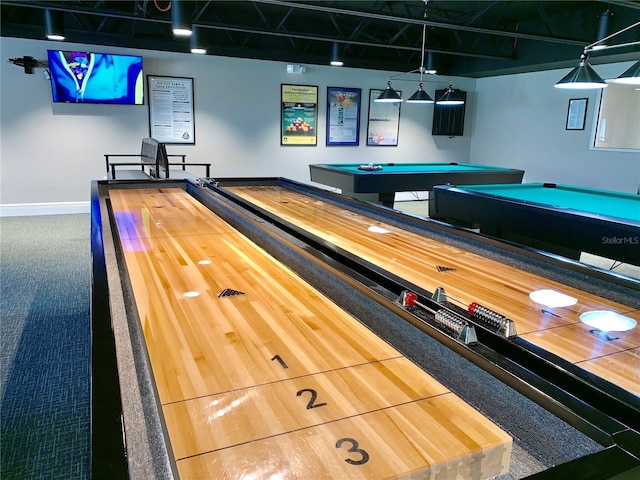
561 230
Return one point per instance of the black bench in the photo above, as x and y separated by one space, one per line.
153 162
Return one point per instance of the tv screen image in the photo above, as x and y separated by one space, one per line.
86 77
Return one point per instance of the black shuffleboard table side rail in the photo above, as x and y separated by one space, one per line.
108 459
120 449
559 386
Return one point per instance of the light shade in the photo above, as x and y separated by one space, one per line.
420 96
180 24
335 55
196 43
53 25
630 76
451 97
582 76
389 95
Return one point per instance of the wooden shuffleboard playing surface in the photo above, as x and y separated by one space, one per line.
466 277
261 376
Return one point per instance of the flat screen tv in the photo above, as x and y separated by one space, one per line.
86 77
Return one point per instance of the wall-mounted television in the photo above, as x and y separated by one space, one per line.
87 77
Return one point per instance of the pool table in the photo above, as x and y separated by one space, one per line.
381 184
562 219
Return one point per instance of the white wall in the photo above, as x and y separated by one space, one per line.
520 122
51 152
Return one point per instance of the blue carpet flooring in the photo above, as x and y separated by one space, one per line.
45 283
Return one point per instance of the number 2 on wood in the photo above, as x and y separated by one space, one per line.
355 447
314 396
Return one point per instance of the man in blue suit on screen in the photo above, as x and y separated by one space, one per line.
78 77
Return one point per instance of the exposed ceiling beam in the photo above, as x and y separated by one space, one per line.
418 21
255 30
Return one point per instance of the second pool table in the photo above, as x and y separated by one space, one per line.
562 219
380 185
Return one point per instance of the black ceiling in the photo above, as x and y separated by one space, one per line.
466 38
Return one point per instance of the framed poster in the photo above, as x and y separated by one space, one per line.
171 115
384 121
343 116
576 113
299 115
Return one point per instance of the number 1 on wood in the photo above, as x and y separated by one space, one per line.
280 361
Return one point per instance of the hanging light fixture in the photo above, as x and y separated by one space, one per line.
584 76
335 55
631 76
180 24
420 96
389 95
195 42
451 97
54 24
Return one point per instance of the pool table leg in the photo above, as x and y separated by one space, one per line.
385 198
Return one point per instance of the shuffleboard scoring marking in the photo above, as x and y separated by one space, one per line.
228 292
335 401
440 268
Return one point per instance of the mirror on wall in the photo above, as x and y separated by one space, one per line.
618 118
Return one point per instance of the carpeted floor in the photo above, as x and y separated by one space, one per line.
45 283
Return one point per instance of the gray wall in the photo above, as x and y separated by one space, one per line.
520 122
51 152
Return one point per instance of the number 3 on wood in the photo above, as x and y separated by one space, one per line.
354 448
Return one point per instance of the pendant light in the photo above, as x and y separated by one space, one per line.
582 76
54 24
180 24
585 77
389 95
196 43
421 96
451 97
335 55
631 76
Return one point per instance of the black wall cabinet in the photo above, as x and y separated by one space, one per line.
448 119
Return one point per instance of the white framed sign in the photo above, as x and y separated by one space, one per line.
171 113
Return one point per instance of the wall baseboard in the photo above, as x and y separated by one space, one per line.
53 208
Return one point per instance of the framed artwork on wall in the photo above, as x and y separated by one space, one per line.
171 113
576 113
383 123
299 115
343 116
